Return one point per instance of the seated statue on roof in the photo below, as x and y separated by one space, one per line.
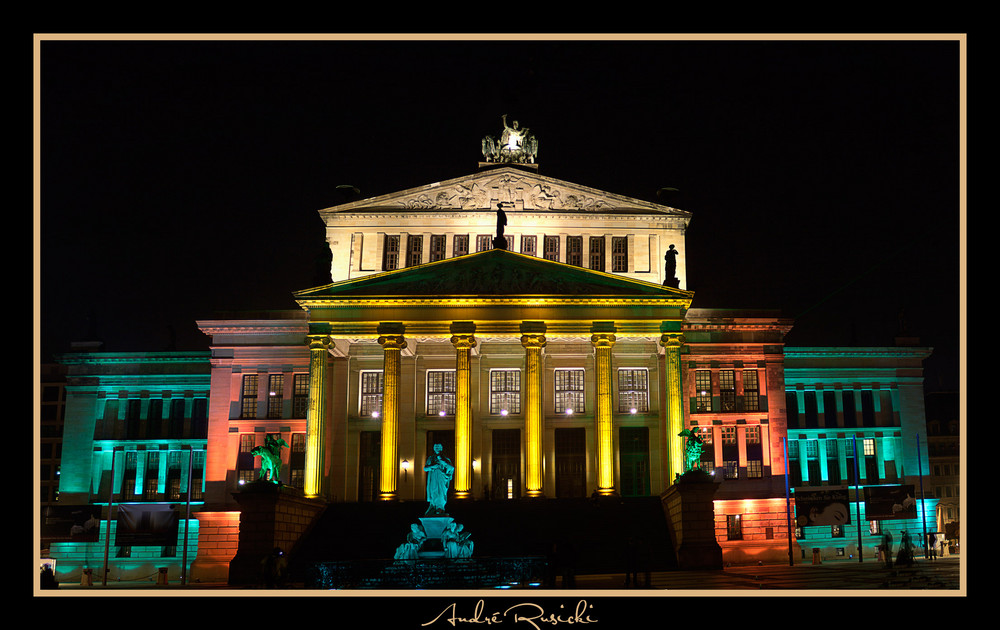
516 145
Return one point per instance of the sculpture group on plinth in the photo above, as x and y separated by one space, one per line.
270 458
516 145
693 447
437 535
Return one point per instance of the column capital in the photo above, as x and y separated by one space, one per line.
464 341
533 340
672 339
319 342
392 342
603 339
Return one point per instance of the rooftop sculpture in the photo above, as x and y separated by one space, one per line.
517 145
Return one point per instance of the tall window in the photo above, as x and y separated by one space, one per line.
371 393
460 246
870 460
867 408
703 390
830 408
727 390
569 391
734 526
199 418
297 461
154 419
248 397
755 457
300 396
730 452
390 252
813 463
441 392
633 390
197 475
275 395
810 409
574 250
414 249
596 261
850 417
133 413
529 245
484 242
505 392
151 478
177 411
751 391
438 242
551 248
832 462
619 254
244 460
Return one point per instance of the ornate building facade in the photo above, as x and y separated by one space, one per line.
542 332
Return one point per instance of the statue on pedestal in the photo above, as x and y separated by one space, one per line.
500 241
692 450
440 471
516 145
670 268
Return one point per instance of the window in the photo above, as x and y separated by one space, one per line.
633 390
390 252
297 461
177 408
832 462
133 410
867 408
300 395
151 477
438 242
727 390
850 419
244 461
730 453
505 392
371 393
248 400
275 395
703 390
529 245
484 242
810 408
441 392
751 391
830 408
574 250
569 391
199 418
596 261
197 475
619 254
755 460
551 248
414 249
734 526
460 245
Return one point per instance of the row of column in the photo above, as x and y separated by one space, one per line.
463 339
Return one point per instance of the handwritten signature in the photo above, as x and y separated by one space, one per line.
528 612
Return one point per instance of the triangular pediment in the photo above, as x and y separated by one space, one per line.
519 188
494 273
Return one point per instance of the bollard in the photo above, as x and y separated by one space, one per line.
816 557
87 577
161 580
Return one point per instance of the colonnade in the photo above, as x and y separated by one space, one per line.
391 338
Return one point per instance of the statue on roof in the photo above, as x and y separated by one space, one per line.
516 145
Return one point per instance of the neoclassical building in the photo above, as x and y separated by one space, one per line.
542 332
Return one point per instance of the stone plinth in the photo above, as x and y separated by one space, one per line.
271 516
691 516
434 526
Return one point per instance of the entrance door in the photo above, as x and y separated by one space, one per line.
506 475
571 462
633 446
369 455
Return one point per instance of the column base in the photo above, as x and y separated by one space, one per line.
387 496
534 494
461 494
607 492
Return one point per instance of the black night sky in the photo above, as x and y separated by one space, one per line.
179 179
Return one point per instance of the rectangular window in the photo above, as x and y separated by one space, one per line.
551 248
484 242
441 392
199 418
438 242
371 393
529 245
248 397
751 391
574 250
832 462
275 395
154 419
703 390
619 254
300 395
830 409
730 453
505 392
414 249
244 461
460 245
734 526
151 477
297 461
867 408
810 409
177 410
755 453
596 259
850 419
390 252
569 391
633 390
727 390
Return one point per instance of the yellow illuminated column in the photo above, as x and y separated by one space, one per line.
392 345
604 419
672 343
464 343
316 418
533 343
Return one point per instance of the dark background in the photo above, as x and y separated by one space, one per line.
179 179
